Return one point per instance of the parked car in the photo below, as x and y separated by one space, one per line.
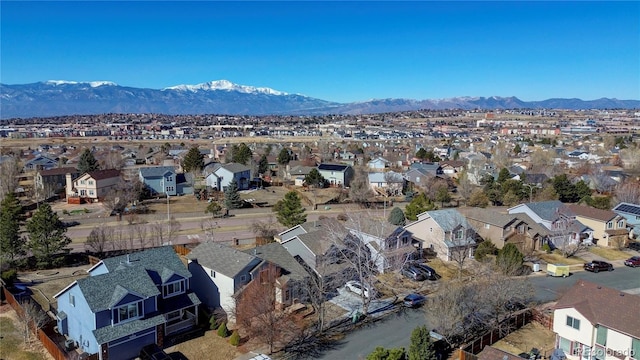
413 273
357 288
429 272
633 261
597 266
634 245
414 300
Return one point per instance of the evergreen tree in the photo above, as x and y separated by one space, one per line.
87 162
47 236
289 210
396 217
517 149
232 198
381 353
442 195
314 178
193 161
421 347
564 188
582 190
503 175
478 199
485 248
263 165
241 154
421 154
213 208
12 244
419 204
284 157
509 259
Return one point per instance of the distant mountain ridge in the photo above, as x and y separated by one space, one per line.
61 97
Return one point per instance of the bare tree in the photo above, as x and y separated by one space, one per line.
164 233
266 229
465 187
9 170
32 318
565 235
209 226
100 239
628 191
112 160
141 234
359 189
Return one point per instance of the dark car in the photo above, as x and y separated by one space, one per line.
414 300
153 352
597 266
413 273
633 261
429 272
634 245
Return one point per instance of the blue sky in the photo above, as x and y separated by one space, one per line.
353 51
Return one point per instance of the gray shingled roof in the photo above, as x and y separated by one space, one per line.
223 259
110 333
156 171
276 253
448 219
487 216
235 167
104 291
162 260
548 210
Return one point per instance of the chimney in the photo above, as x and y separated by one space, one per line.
68 184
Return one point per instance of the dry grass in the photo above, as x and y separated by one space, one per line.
208 346
12 346
609 253
448 270
532 335
555 258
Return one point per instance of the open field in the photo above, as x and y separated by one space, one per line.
532 335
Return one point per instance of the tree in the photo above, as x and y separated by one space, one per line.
509 259
263 165
418 205
582 190
12 245
32 318
628 191
315 179
232 198
485 248
548 193
87 162
396 217
517 150
421 154
421 347
284 156
241 154
381 353
290 211
265 229
478 199
503 175
442 195
100 239
9 170
222 330
47 236
465 187
359 189
193 160
213 208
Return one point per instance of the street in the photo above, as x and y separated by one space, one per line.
395 330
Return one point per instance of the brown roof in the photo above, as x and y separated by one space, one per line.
104 174
59 171
453 163
604 306
592 213
491 353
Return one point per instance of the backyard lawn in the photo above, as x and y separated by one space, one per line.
12 346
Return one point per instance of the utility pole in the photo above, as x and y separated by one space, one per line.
168 221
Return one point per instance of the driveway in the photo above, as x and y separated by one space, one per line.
352 302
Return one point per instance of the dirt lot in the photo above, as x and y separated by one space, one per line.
12 346
532 335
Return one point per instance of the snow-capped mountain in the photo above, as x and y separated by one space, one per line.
60 97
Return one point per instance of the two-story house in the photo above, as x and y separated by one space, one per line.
218 272
159 179
592 321
92 186
224 174
389 245
53 180
336 174
128 302
609 228
445 232
631 213
499 228
378 163
387 183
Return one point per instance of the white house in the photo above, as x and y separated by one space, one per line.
378 163
223 174
592 321
389 183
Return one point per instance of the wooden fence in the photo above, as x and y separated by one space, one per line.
545 320
489 338
181 250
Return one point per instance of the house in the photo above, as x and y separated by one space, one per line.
40 162
445 232
128 302
386 183
224 174
559 220
297 173
92 186
336 174
419 173
389 245
609 228
159 179
501 228
378 163
492 353
592 321
53 180
218 272
452 168
631 212
535 179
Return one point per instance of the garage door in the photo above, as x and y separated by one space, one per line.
127 349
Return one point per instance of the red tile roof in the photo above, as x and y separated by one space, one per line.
604 306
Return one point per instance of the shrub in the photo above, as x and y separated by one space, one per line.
509 259
546 248
234 339
342 217
66 212
86 211
213 323
9 276
485 248
222 330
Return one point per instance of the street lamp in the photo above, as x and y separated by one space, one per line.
530 191
168 221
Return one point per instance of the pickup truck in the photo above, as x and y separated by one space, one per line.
597 266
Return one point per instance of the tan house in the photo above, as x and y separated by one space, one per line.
92 186
497 227
445 232
609 228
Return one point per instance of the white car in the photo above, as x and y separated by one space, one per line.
357 288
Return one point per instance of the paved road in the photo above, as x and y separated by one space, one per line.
395 331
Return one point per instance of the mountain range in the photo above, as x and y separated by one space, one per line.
59 97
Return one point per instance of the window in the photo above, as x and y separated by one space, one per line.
601 335
458 234
243 278
573 322
174 288
213 274
169 178
83 182
565 345
72 300
610 225
90 182
129 311
405 240
620 224
635 348
90 192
